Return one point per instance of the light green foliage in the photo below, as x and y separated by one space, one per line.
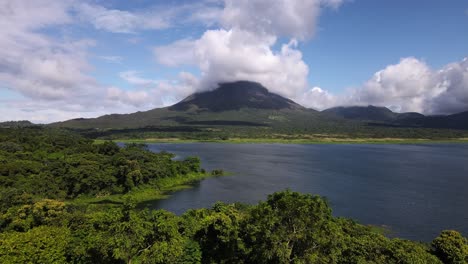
43 212
451 247
39 245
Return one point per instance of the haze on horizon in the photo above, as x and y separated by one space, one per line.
67 59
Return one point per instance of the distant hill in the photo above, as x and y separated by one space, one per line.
234 96
455 121
10 124
369 113
383 115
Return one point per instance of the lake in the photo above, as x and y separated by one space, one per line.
414 190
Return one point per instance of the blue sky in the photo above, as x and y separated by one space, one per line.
364 36
67 59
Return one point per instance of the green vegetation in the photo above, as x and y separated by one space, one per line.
247 111
64 199
287 228
258 125
298 140
37 163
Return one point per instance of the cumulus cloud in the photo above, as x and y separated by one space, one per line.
34 64
51 75
408 86
153 92
244 48
452 89
318 99
404 87
295 19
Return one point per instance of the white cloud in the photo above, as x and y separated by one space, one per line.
112 59
155 17
51 75
133 78
403 87
153 92
34 64
135 98
241 55
409 86
119 21
27 15
318 99
452 85
244 48
181 52
289 18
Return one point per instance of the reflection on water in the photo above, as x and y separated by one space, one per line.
416 190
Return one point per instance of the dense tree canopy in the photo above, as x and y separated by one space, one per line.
42 173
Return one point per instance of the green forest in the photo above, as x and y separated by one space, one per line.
65 199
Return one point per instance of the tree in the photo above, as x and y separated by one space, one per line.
292 228
219 234
39 245
451 247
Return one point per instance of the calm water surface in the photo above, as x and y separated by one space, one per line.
415 190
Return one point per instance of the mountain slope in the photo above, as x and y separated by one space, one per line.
383 115
454 121
234 96
239 103
369 113
246 108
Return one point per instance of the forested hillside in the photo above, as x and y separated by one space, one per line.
45 173
59 164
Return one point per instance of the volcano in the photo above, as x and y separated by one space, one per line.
235 96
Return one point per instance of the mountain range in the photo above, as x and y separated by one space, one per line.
249 104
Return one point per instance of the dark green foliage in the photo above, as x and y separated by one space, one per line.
217 172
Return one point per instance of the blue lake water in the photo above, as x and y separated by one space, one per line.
414 190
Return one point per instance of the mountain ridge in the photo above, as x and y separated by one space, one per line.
250 104
409 119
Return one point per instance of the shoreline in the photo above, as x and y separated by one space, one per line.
293 141
142 194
